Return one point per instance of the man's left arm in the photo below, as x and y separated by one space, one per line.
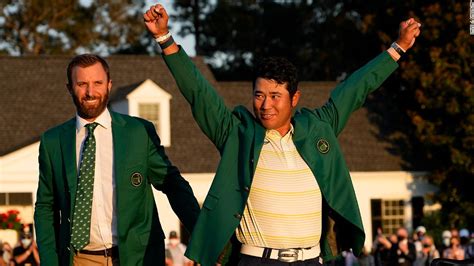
350 95
166 177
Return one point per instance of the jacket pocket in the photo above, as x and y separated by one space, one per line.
211 201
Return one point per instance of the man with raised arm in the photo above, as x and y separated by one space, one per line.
282 192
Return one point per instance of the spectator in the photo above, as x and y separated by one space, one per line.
381 248
445 241
168 258
455 251
464 236
7 253
429 251
402 253
418 237
177 249
365 258
349 258
2 261
454 232
469 249
27 252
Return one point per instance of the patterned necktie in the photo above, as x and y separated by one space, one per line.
83 205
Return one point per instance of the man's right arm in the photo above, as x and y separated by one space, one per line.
44 210
208 108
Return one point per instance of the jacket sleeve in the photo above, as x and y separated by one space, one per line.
208 108
166 177
350 95
44 216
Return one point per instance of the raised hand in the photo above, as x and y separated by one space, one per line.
156 20
409 30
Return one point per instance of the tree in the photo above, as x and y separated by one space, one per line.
442 113
426 109
32 27
232 35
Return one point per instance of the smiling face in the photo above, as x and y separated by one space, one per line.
90 89
272 104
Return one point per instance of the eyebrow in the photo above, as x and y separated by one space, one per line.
271 93
98 80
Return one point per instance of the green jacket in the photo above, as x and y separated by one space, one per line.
239 138
137 149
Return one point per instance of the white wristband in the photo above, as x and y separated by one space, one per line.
398 48
163 38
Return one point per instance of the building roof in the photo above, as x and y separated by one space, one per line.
33 98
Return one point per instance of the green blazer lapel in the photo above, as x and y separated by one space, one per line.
300 138
68 150
301 131
119 138
259 136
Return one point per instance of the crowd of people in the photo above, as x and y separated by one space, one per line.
420 248
25 252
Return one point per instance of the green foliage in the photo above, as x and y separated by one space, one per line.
440 80
32 27
234 34
435 227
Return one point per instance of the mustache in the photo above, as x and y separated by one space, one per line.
89 97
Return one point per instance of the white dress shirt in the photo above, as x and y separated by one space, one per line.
103 231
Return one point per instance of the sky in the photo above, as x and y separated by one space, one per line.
187 43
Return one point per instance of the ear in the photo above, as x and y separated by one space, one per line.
109 85
295 99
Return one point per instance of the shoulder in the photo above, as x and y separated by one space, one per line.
129 121
243 114
134 125
54 132
310 118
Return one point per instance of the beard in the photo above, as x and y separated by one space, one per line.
88 111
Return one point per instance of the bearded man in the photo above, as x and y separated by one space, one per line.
95 205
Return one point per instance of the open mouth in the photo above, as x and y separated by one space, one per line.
266 116
90 101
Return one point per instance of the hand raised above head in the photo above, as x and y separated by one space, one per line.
156 20
409 30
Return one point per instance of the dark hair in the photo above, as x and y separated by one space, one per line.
278 69
85 60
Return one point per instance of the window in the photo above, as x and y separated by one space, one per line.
150 102
388 214
150 112
24 199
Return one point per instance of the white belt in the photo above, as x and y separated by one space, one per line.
285 255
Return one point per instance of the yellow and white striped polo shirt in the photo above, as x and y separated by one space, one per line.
284 205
